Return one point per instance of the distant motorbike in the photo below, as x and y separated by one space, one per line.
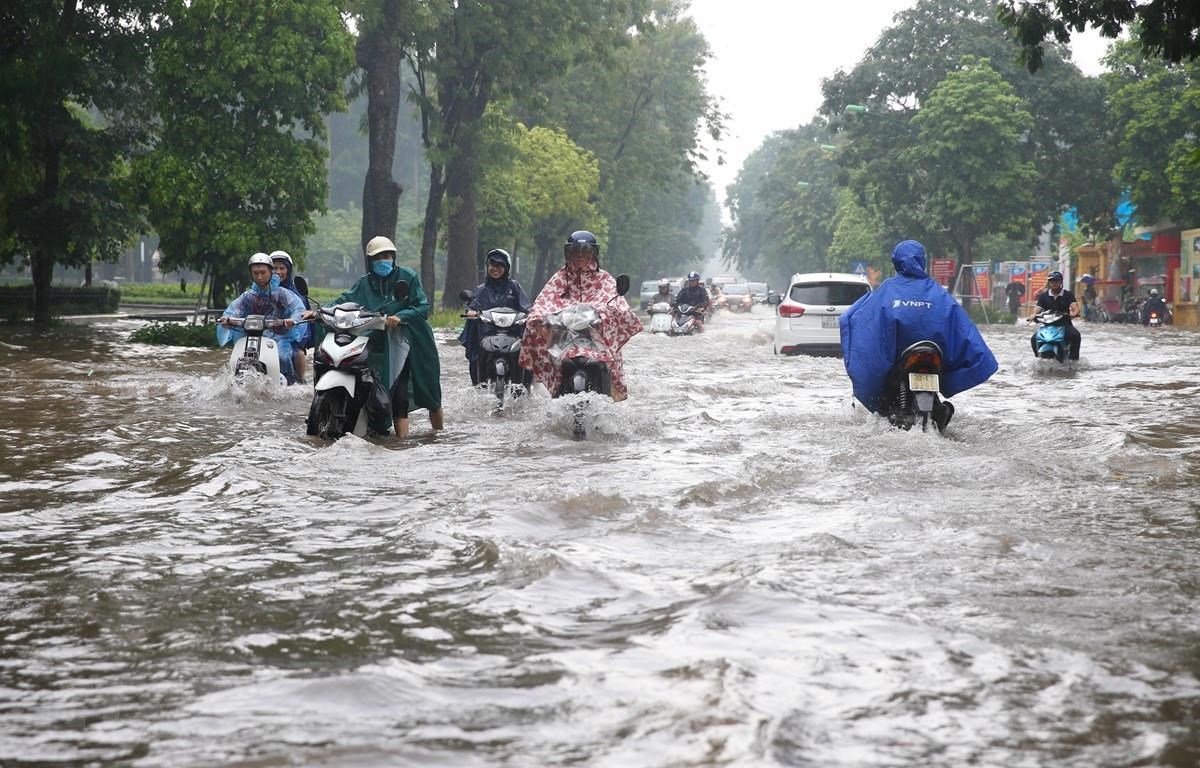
1051 336
253 352
911 392
584 362
660 317
344 388
499 348
686 320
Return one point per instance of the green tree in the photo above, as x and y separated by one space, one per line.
1167 29
643 112
1068 142
857 236
243 90
783 206
71 78
968 166
470 54
1156 107
546 183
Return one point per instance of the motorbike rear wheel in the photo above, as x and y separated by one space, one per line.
327 416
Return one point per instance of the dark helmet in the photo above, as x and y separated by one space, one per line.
582 240
1055 275
693 275
498 256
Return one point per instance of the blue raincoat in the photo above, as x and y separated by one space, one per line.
906 309
273 304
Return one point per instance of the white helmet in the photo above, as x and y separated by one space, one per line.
378 245
664 283
281 256
260 258
1153 291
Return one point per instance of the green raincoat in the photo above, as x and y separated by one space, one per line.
414 338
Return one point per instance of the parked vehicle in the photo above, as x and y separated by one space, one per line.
912 390
687 320
660 317
344 386
735 297
253 353
806 315
1051 336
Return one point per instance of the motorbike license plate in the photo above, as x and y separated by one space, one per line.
923 382
829 321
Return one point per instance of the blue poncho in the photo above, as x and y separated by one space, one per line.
906 309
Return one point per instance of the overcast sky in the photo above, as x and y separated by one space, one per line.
769 57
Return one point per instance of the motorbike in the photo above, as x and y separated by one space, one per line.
1051 335
911 391
686 319
499 348
582 360
253 352
660 317
343 384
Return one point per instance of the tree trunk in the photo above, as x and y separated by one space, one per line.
545 246
379 54
462 230
429 231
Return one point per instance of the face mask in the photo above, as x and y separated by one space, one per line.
274 282
383 267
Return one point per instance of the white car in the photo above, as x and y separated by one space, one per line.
806 316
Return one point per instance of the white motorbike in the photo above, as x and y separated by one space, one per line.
253 352
342 380
660 317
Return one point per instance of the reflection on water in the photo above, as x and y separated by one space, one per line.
739 568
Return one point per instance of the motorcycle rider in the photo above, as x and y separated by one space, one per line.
282 265
904 309
692 293
579 281
1154 303
1059 299
404 358
497 290
664 292
266 297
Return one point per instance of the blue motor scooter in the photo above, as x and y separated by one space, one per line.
1050 338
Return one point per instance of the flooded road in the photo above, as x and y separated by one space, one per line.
738 568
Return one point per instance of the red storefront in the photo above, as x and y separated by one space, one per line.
1153 263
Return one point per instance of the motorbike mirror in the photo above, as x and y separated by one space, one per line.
774 298
466 295
622 284
301 285
400 292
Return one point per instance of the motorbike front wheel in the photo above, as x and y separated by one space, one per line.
327 416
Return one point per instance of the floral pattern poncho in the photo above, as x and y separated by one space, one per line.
567 287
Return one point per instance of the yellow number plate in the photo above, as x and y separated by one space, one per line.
923 382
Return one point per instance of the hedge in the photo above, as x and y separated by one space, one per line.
17 301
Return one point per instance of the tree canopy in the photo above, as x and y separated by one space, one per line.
239 165
1167 29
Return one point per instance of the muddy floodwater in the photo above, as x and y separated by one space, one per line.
736 568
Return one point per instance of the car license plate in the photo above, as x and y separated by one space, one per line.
923 382
829 321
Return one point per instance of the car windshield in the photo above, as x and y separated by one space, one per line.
734 288
828 294
757 287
